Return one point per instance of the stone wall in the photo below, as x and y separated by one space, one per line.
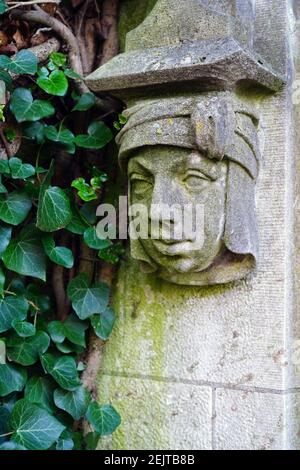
213 368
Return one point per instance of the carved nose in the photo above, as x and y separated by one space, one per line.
166 205
166 193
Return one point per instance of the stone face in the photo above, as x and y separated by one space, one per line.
189 160
188 41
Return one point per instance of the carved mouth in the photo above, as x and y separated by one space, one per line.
173 248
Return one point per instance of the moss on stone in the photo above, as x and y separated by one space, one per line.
132 13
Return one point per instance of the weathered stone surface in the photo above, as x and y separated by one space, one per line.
233 342
218 64
243 420
131 14
235 336
170 415
176 21
189 40
198 152
218 335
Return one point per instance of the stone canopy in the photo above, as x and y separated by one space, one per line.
208 45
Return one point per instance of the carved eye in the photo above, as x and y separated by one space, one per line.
195 179
140 184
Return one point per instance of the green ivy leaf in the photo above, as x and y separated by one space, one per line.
10 445
23 62
3 7
55 84
34 130
14 207
12 308
58 254
4 61
75 403
34 293
77 225
39 390
42 72
88 212
75 330
85 191
20 170
92 440
62 369
23 329
6 78
112 253
34 428
87 300
4 422
10 134
54 210
12 379
71 74
65 347
57 331
104 419
4 167
103 323
72 329
98 136
93 241
58 58
65 442
5 236
2 281
3 189
85 102
62 135
26 351
25 254
25 108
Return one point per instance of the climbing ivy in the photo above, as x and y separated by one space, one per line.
42 396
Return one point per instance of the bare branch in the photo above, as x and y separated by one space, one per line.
5 145
43 51
109 26
30 2
39 16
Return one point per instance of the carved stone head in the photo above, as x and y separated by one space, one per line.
200 151
199 147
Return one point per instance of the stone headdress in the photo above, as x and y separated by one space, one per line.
198 47
221 127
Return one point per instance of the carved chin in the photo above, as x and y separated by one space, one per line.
181 257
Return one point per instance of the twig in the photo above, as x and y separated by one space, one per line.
5 144
59 292
39 16
94 355
30 2
58 282
43 51
109 27
81 42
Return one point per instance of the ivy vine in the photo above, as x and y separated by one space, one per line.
42 205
